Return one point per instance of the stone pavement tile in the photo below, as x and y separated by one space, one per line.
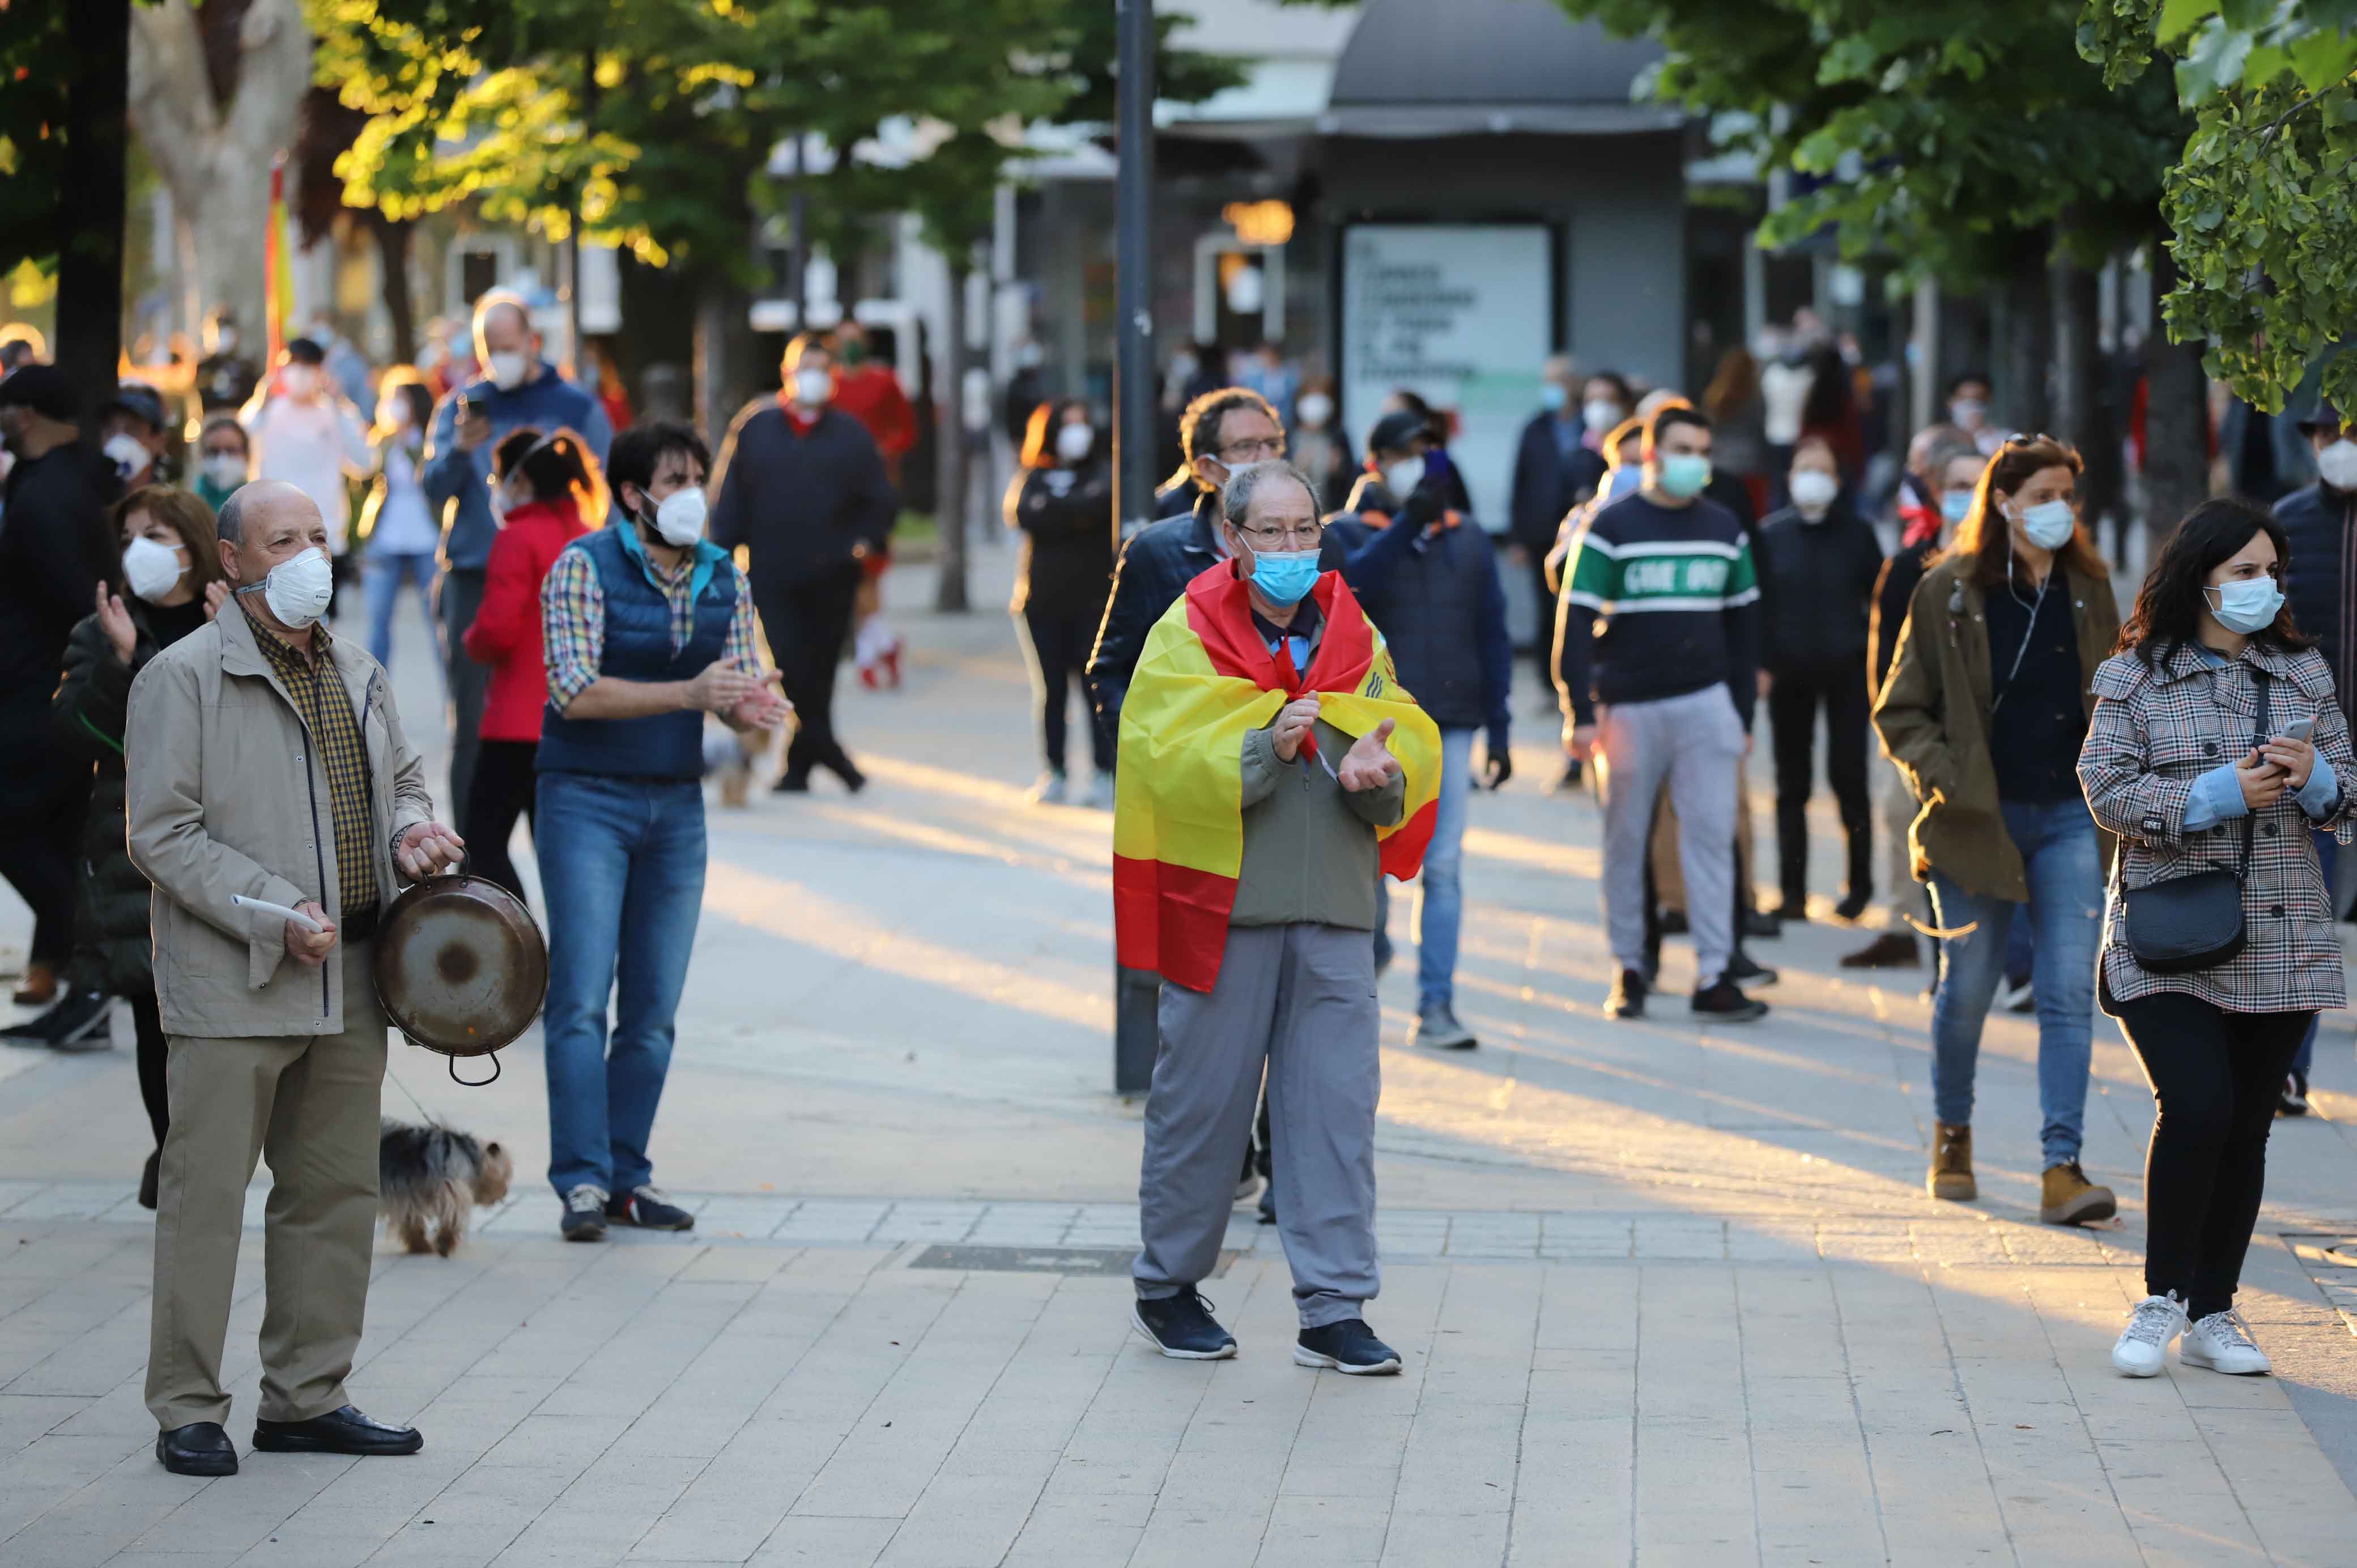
48 1470
1680 1236
1442 1541
96 1513
1326 1532
972 1513
556 1441
1693 1487
348 1520
831 1219
1080 1532
1690 1365
1461 1458
1489 1324
2286 1484
740 1216
2179 1504
268 1490
473 1518
825 1543
1573 1493
608 1507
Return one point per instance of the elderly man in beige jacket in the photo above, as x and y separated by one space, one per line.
266 763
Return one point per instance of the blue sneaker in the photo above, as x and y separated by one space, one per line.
1183 1329
1348 1346
647 1208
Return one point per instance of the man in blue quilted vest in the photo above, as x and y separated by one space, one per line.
647 626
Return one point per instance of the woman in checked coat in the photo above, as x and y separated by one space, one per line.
2181 764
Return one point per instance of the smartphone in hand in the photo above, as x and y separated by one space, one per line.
2298 729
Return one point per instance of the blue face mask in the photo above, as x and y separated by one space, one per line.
1955 504
1283 576
2247 605
1552 396
1684 474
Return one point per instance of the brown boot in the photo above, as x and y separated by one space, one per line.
2070 1198
1950 1175
41 986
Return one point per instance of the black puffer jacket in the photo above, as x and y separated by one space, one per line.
89 708
1816 586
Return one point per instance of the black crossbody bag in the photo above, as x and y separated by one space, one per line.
2194 921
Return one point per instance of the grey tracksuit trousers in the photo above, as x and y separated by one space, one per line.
1692 745
1300 998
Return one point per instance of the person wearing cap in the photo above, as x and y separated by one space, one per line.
517 387
275 804
2320 521
1429 579
306 433
134 434
54 551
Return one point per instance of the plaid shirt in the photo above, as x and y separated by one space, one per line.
326 712
2153 734
572 620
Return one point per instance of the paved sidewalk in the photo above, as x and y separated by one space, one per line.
1666 1294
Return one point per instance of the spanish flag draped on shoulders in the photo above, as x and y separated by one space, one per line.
1205 679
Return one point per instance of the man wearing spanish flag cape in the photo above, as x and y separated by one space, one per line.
1271 771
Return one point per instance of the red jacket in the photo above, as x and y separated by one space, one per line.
872 396
506 631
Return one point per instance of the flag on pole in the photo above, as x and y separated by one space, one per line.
277 285
1205 679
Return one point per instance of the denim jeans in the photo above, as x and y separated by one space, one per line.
621 868
2058 845
2327 857
1439 897
381 576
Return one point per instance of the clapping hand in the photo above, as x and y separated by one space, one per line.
116 622
1292 727
761 708
216 596
1369 764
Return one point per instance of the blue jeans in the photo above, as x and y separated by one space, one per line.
381 575
1440 898
2057 847
621 868
2328 855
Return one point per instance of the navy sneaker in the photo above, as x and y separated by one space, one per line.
1183 1329
1348 1346
647 1208
585 1214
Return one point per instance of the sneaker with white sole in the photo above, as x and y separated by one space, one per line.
1101 792
2143 1346
2220 1343
1182 1326
1348 1346
585 1214
645 1206
1049 790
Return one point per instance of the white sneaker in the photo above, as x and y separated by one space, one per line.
2143 1346
1049 791
2220 1343
1101 792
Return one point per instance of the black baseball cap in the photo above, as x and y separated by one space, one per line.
1393 432
44 389
140 401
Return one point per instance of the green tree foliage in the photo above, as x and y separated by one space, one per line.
1939 132
2261 204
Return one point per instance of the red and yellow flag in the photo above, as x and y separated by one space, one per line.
1205 679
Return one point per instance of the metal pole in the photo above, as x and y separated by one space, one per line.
799 211
1137 991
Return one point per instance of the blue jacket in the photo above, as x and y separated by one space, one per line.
638 647
548 401
2317 523
1440 607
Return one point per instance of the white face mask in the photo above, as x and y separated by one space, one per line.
127 453
1968 411
226 470
298 588
679 517
1314 409
1402 477
507 369
393 413
1599 414
1074 442
2336 465
813 388
1813 489
300 381
151 568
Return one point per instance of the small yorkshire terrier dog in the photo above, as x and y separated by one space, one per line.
429 1177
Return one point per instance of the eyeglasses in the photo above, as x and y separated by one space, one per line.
2030 438
1305 538
1258 451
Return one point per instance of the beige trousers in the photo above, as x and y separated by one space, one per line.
309 1103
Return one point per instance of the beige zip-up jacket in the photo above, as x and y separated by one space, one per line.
225 794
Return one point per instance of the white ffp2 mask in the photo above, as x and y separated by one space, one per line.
679 519
298 588
151 569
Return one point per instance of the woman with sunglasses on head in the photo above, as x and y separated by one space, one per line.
1983 711
2217 743
546 491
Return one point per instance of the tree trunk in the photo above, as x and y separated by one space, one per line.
92 207
214 157
2177 410
2082 416
2024 402
393 268
949 413
723 370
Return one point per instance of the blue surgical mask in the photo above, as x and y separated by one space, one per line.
2247 605
2049 526
1684 474
1552 396
1283 576
1954 504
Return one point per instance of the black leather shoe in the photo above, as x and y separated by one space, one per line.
344 1430
199 1448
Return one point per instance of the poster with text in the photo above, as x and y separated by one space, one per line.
1460 314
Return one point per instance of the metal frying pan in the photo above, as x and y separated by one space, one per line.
461 968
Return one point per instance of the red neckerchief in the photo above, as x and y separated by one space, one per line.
794 415
1282 657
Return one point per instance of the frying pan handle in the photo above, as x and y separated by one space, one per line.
452 1063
